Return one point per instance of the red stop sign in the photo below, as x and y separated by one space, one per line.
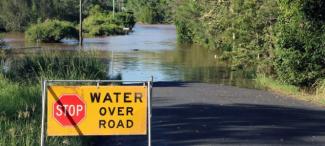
69 110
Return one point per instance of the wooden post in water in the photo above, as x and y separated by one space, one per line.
80 22
113 8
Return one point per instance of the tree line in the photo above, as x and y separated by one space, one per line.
17 15
283 38
53 20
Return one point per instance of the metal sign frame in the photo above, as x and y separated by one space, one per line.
45 83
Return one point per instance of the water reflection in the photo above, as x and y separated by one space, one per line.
152 51
199 64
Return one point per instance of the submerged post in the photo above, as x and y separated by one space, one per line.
113 8
80 23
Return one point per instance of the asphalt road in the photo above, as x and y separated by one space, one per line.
199 114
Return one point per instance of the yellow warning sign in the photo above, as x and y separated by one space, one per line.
97 110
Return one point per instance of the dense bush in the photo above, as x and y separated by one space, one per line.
184 27
154 11
15 15
101 23
125 19
236 27
300 55
282 38
51 31
184 33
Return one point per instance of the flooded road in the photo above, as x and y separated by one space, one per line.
152 50
189 113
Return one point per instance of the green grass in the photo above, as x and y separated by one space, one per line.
20 131
26 131
320 91
55 65
15 98
18 123
20 116
316 97
269 83
20 93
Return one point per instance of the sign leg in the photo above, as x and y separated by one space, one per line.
149 112
43 113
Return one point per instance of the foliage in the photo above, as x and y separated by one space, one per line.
236 27
20 114
17 15
153 11
300 55
281 38
12 93
125 19
184 14
51 65
100 23
51 31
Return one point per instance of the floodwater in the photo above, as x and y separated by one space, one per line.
152 50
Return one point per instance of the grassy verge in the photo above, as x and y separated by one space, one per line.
20 115
317 97
20 93
18 119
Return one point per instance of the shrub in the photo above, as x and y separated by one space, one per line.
184 34
299 58
100 23
51 31
125 19
153 11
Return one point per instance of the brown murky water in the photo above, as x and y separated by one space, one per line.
151 50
